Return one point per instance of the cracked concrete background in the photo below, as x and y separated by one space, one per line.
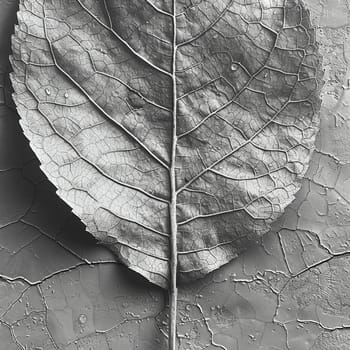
60 290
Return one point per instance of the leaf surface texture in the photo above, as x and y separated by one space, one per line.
94 88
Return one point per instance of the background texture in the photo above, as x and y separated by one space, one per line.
60 290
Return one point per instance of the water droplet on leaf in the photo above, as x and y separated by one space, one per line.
234 67
252 336
82 319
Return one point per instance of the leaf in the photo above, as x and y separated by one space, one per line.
95 87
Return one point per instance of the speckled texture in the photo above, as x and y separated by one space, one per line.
59 290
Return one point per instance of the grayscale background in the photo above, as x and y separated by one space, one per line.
61 290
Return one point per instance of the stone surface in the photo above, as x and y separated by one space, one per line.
60 290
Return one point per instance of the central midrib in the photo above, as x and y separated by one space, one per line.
173 194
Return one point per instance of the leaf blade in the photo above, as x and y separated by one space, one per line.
97 106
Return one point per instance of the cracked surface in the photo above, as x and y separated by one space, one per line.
206 114
60 290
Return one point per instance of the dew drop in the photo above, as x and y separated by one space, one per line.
82 319
234 67
66 95
188 307
48 92
252 337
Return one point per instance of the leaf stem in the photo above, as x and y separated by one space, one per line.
172 207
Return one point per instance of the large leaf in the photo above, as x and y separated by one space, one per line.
191 124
